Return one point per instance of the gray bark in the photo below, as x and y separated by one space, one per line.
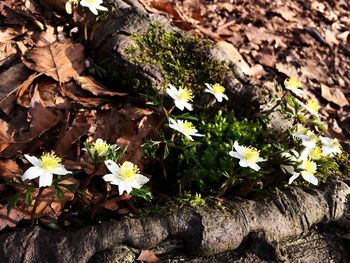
276 228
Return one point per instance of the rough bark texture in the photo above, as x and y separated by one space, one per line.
289 226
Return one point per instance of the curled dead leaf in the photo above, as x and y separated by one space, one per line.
91 85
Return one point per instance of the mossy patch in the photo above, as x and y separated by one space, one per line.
184 60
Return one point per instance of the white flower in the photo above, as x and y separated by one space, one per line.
308 169
248 156
330 146
99 148
93 5
217 90
185 127
126 176
307 137
182 97
44 168
294 86
311 106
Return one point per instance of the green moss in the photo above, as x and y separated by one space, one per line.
183 59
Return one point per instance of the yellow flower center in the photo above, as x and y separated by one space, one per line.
218 89
50 161
128 171
316 153
100 146
251 154
91 1
187 127
309 166
185 94
293 83
313 106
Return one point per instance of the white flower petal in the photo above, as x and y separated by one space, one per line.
294 176
123 186
45 179
112 178
235 154
60 170
33 160
209 91
172 91
287 169
32 172
310 178
102 8
238 148
112 166
141 179
243 163
84 3
180 104
218 97
254 166
93 10
188 106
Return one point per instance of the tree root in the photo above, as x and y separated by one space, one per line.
204 231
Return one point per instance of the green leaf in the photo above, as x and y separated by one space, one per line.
58 192
11 203
143 193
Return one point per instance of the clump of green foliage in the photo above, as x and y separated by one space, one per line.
207 164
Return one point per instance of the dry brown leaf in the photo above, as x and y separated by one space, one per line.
286 13
46 37
148 256
61 61
41 118
8 52
334 95
5 135
9 33
91 85
9 170
233 54
10 219
26 84
111 204
9 81
48 202
72 91
135 113
79 127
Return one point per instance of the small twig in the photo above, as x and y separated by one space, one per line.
36 203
